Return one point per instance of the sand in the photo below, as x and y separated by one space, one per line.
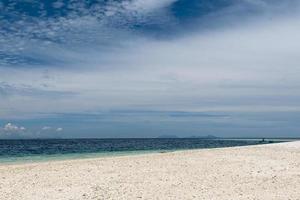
256 172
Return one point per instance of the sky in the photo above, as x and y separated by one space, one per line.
145 68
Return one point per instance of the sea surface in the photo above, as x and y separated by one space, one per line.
12 151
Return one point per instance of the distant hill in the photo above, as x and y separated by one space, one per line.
193 136
204 137
167 136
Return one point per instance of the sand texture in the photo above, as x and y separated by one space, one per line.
256 172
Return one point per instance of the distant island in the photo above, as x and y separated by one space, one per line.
168 136
193 136
204 137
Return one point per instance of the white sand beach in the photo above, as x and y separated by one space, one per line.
263 172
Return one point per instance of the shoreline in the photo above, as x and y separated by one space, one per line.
267 171
83 156
100 155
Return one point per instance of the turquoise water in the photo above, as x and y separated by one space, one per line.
72 156
20 151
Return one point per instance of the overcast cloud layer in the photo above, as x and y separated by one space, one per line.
144 68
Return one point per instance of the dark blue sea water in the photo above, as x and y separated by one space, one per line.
49 149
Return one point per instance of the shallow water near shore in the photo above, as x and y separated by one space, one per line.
24 151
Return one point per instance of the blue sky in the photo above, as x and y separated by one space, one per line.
144 68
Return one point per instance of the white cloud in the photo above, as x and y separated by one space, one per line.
46 128
13 128
188 73
239 68
145 6
58 4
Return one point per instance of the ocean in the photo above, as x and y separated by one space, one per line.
12 151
